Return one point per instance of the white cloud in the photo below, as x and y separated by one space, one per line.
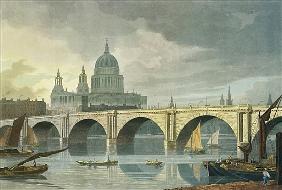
151 41
43 54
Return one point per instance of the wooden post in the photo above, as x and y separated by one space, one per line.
246 157
279 158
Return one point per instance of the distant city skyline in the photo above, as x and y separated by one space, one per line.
188 50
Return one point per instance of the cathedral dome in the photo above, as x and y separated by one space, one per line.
107 59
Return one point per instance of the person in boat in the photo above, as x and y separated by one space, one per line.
218 160
108 160
228 160
265 177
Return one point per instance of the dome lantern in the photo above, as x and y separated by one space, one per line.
106 60
106 47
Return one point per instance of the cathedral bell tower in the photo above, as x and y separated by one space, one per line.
58 87
82 87
57 90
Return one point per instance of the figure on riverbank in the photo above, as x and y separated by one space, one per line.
265 177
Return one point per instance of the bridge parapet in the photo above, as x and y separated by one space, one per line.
241 118
6 122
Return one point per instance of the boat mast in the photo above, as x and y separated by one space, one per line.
212 133
192 141
262 128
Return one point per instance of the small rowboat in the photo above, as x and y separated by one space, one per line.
96 163
154 163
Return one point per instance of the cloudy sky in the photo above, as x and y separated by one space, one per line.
190 50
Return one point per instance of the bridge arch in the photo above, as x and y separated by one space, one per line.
80 130
158 118
209 124
184 117
44 130
126 135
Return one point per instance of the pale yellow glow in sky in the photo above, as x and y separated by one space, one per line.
44 54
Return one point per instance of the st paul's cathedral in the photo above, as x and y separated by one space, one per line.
107 90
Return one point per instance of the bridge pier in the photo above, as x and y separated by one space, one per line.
64 141
244 129
171 172
112 133
111 146
65 126
170 147
240 154
170 140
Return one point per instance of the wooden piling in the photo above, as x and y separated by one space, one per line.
279 158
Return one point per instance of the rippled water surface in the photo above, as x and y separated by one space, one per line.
130 173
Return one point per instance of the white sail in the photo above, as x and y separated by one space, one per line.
213 140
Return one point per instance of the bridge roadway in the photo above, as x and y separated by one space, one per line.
176 124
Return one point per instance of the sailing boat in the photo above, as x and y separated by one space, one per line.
242 168
22 170
213 140
194 144
11 137
30 139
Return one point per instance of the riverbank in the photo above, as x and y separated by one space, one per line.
235 186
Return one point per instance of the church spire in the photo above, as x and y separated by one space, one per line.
107 47
58 73
171 104
58 79
221 102
269 101
83 70
229 100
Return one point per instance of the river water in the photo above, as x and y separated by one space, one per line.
131 172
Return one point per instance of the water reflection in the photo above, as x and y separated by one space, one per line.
193 174
48 145
140 171
140 136
31 180
92 147
131 173
24 178
143 145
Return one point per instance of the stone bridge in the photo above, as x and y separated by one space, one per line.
176 124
